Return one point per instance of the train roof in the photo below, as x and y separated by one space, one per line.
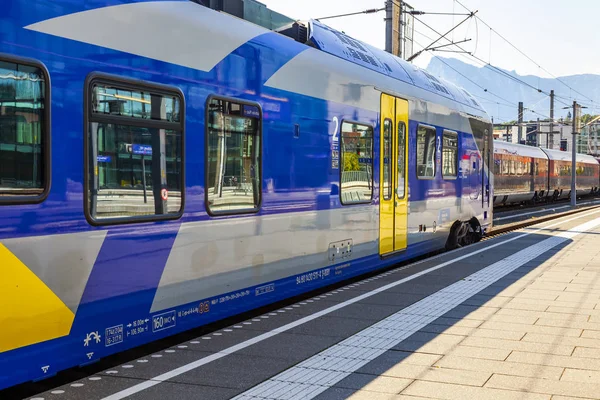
353 68
559 155
537 152
518 149
343 46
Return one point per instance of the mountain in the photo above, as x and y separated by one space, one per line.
513 91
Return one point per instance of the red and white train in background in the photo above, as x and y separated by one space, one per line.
525 173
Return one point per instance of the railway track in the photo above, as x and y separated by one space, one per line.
506 228
560 202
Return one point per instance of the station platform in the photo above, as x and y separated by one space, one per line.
513 317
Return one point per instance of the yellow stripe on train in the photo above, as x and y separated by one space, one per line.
29 311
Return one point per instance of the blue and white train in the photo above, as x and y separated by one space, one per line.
164 166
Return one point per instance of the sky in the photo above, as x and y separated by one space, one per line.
560 36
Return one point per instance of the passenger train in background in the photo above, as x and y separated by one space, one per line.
164 166
532 174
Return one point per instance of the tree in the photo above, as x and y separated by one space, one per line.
351 162
585 118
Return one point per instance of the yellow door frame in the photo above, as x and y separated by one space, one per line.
401 177
386 177
393 179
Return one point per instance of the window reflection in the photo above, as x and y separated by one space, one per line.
22 130
233 157
135 160
426 152
387 159
450 155
357 163
111 100
400 191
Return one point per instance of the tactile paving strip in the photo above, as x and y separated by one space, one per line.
313 376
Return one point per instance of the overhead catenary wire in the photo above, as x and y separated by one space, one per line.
506 102
369 11
502 119
497 70
479 61
523 53
444 36
504 73
494 68
492 101
434 13
501 71
485 63
472 81
595 107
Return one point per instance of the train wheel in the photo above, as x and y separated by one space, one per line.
476 233
452 242
464 233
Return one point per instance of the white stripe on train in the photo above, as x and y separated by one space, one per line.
177 32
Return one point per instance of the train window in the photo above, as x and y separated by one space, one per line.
24 131
401 159
387 159
505 166
356 174
497 169
450 155
233 172
134 167
426 152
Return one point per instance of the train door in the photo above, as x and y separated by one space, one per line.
393 186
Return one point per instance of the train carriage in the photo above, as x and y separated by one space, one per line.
559 174
164 166
531 174
520 173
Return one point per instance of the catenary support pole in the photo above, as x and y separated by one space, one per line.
550 138
574 157
389 7
400 28
520 122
